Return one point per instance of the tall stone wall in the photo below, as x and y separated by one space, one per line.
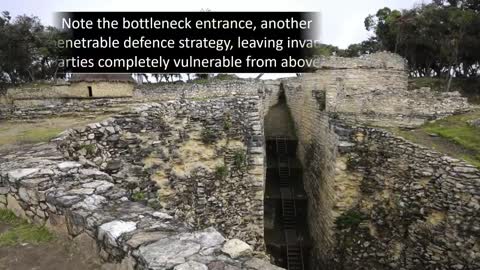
413 208
324 106
317 150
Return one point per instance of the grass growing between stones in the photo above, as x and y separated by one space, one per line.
20 231
455 136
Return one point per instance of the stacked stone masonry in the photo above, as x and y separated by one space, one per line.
79 186
169 155
375 201
415 208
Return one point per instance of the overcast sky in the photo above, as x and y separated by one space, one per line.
341 20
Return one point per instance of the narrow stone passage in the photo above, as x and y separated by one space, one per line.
286 232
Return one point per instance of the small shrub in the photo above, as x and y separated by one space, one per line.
349 219
227 122
155 204
240 160
91 149
208 136
138 196
221 172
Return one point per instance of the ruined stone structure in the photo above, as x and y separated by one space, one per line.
204 159
199 156
152 186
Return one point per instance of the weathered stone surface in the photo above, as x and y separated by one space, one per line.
13 205
167 252
67 165
474 123
236 248
90 203
18 174
4 190
258 264
146 237
191 265
112 230
78 199
161 215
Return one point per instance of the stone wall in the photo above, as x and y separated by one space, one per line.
95 185
317 150
373 90
375 207
202 162
412 208
44 108
73 90
46 100
88 206
209 89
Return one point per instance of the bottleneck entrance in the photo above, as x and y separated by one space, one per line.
286 231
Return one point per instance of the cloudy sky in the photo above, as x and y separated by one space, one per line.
341 20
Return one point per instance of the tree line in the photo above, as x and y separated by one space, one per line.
440 39
27 50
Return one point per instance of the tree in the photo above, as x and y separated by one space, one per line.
439 39
27 50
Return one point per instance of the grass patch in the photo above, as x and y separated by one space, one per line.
8 217
21 231
456 137
38 135
456 129
39 130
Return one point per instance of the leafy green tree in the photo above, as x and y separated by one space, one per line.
27 50
438 39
